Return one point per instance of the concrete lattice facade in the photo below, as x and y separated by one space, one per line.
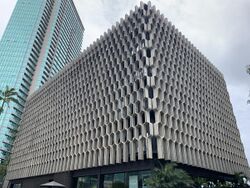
140 91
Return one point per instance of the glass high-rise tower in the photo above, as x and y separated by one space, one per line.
40 38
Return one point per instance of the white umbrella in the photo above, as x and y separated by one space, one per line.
52 184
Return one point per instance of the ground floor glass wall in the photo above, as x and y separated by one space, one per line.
118 180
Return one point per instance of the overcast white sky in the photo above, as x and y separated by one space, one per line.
219 29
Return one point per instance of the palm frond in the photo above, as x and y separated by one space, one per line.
10 92
7 96
12 99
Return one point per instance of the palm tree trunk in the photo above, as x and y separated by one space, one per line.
1 109
3 104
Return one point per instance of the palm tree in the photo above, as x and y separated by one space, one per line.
7 96
169 177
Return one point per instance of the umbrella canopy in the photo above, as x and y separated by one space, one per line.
52 184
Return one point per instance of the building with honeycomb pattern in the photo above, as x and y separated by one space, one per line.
141 95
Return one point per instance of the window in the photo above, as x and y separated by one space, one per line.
17 186
87 182
114 180
126 180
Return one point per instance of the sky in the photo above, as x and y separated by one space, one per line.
219 29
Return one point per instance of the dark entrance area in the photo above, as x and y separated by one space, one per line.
126 175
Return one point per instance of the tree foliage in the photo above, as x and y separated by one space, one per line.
200 182
3 168
172 177
169 177
239 180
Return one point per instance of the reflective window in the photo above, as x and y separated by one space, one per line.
138 179
87 182
17 186
133 181
126 180
114 181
